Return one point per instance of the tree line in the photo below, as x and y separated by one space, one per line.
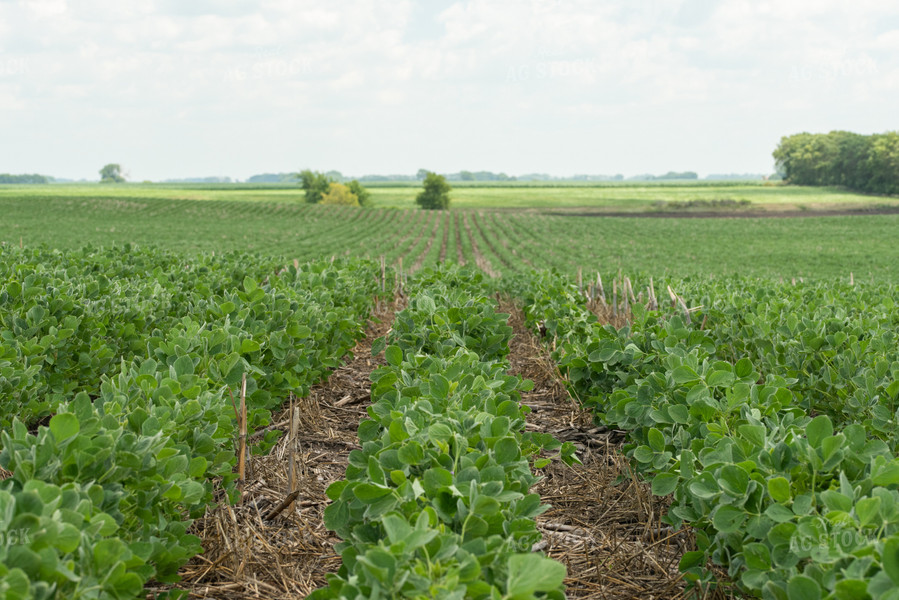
26 178
323 188
866 163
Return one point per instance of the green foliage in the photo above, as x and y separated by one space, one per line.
68 217
339 195
133 353
866 163
773 424
437 502
315 185
362 194
111 173
435 195
33 178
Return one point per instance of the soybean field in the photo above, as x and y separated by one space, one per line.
243 399
497 241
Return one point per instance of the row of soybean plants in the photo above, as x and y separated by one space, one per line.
436 504
117 371
770 416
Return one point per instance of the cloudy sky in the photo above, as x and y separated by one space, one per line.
178 88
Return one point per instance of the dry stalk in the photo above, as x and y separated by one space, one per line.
242 424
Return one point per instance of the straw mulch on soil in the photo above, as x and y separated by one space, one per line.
604 524
247 553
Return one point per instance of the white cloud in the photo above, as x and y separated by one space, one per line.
189 88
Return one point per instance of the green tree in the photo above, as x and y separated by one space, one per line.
315 185
868 163
435 194
340 194
111 173
361 193
852 152
466 175
422 173
882 164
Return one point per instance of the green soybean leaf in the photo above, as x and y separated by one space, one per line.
684 374
720 379
890 558
378 346
779 489
295 330
410 453
728 519
440 433
439 386
743 368
757 556
337 515
436 479
851 589
368 492
753 433
885 474
664 483
506 450
704 486
691 559
64 425
801 587
779 513
248 346
819 428
643 454
733 480
485 506
656 439
867 510
184 365
679 413
529 573
394 355
397 528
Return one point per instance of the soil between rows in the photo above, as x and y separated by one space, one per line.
603 524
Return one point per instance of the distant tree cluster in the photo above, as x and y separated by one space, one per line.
323 188
479 176
435 195
111 173
213 179
867 163
33 178
273 178
669 176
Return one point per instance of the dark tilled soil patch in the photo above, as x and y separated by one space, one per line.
748 214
